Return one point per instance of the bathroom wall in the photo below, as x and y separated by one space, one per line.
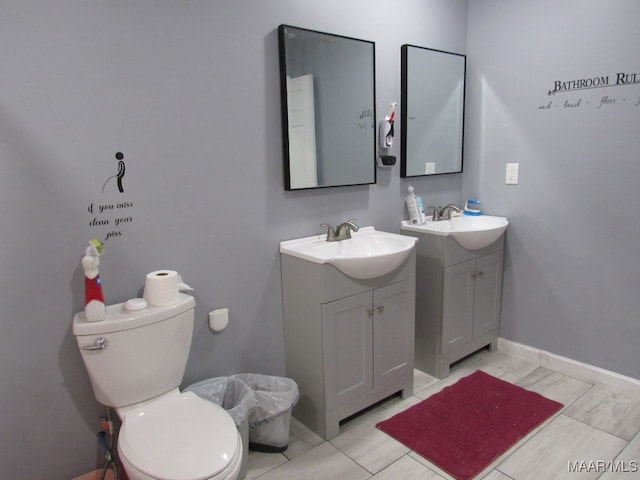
572 258
188 92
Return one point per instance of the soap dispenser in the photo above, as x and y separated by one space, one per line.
415 208
385 138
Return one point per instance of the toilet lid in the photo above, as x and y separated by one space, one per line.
179 437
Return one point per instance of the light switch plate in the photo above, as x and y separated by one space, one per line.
512 173
430 168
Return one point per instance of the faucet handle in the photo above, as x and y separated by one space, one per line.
343 231
445 212
436 213
331 232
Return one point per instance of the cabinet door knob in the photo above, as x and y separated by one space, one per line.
370 311
380 308
480 274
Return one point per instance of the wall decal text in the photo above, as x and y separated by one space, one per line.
110 216
618 80
581 93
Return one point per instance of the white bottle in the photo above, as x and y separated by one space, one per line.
415 207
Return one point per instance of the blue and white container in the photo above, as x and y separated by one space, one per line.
472 207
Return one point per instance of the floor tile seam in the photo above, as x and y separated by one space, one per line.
524 441
591 383
349 457
271 469
567 405
415 392
396 461
317 446
345 453
591 386
289 460
603 430
429 465
626 442
360 464
566 413
637 435
508 476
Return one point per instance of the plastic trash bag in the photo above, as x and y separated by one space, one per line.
270 419
235 396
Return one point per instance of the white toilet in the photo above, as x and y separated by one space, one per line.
136 360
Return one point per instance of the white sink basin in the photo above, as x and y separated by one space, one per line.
367 254
471 232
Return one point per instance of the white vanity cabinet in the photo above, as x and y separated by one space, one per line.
458 295
348 343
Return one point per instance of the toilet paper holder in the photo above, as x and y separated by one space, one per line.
218 319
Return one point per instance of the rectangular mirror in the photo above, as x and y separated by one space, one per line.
327 85
433 91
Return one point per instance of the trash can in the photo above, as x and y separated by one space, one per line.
237 398
270 419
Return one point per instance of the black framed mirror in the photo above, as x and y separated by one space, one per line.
327 85
433 94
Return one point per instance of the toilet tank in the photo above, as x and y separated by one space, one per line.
145 352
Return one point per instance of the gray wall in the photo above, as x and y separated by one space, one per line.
189 92
573 258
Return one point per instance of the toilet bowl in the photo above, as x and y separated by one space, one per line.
136 361
179 436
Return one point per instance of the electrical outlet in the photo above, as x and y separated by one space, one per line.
512 173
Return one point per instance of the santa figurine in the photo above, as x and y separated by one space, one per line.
94 308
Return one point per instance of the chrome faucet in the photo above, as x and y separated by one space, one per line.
445 212
342 231
436 213
331 233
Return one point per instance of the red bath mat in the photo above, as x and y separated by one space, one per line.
467 425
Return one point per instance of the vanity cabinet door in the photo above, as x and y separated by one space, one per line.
488 293
393 332
347 339
457 307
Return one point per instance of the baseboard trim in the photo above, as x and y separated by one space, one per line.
566 366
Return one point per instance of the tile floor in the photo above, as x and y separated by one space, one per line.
596 432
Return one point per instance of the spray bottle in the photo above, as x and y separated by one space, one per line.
94 308
414 207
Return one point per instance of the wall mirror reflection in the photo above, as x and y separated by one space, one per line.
433 91
327 87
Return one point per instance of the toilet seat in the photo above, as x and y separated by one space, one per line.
180 436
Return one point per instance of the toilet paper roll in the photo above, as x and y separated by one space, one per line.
161 288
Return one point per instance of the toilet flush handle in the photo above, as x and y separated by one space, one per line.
99 344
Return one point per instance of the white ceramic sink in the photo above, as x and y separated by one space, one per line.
367 254
471 232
